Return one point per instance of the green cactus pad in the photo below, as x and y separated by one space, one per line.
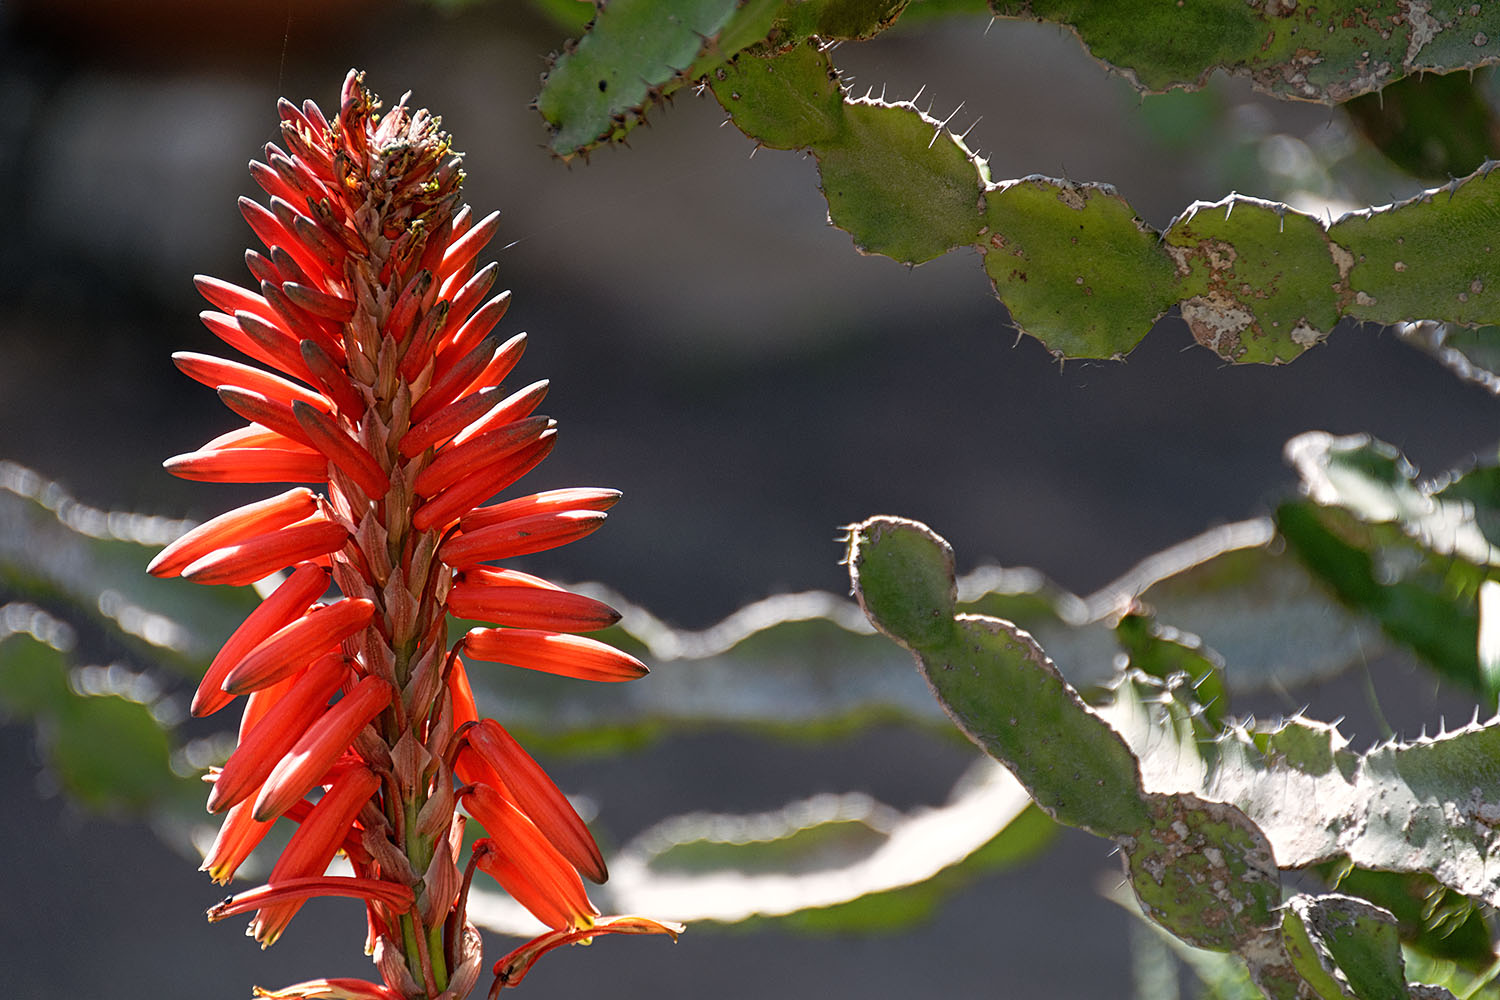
1344 947
788 102
1436 256
1329 52
1203 871
995 682
1074 265
1256 279
900 183
600 88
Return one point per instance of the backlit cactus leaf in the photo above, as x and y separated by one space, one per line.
1345 947
1435 256
598 89
1075 265
1326 52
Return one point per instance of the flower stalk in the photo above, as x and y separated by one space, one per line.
383 400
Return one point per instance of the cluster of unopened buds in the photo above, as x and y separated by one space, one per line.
359 724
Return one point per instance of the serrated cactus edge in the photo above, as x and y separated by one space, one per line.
1203 832
1075 264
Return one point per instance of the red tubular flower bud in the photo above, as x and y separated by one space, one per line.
267 412
404 312
530 790
467 298
485 365
313 846
554 653
233 527
249 465
467 246
226 329
519 537
273 233
342 450
255 436
526 864
275 342
447 422
239 834
319 302
546 502
531 607
291 648
269 739
301 324
272 182
448 506
479 325
232 298
215 372
495 576
290 600
517 406
257 558
333 380
310 758
458 461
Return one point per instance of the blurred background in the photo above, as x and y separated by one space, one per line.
725 358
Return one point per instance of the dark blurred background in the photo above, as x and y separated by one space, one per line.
718 353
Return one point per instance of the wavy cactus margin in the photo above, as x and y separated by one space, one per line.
1073 262
1328 52
1203 826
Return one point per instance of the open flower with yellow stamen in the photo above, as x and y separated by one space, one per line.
359 725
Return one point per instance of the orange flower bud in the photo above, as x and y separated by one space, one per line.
553 653
311 756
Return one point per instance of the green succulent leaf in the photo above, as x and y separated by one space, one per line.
1410 555
1345 947
1256 281
1327 52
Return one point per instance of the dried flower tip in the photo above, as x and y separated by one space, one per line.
511 969
331 989
301 889
553 653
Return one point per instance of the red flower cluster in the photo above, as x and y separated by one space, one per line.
359 724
